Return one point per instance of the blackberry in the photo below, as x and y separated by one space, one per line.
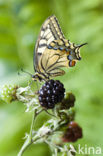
51 93
72 133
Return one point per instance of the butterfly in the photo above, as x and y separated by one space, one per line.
53 52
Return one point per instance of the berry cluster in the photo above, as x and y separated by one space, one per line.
51 93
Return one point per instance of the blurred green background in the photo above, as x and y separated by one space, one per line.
81 21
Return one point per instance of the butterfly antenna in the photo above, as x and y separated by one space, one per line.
81 45
25 72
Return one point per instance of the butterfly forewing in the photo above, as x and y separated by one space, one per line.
49 32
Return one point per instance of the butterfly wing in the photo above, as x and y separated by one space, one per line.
58 54
49 32
51 61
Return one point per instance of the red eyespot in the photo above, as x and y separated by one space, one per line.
72 63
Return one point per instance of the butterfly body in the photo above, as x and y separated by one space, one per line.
53 51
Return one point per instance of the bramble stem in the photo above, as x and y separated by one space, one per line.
32 124
26 144
29 140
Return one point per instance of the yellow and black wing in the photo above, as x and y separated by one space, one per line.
53 51
51 61
54 58
49 32
58 54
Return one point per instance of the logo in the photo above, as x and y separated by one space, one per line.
82 150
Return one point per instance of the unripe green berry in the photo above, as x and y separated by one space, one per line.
9 93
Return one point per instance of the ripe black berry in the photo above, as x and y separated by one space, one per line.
51 93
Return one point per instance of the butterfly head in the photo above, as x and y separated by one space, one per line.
36 77
74 54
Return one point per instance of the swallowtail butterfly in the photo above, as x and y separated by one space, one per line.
53 51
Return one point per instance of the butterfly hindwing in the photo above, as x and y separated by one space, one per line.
51 61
